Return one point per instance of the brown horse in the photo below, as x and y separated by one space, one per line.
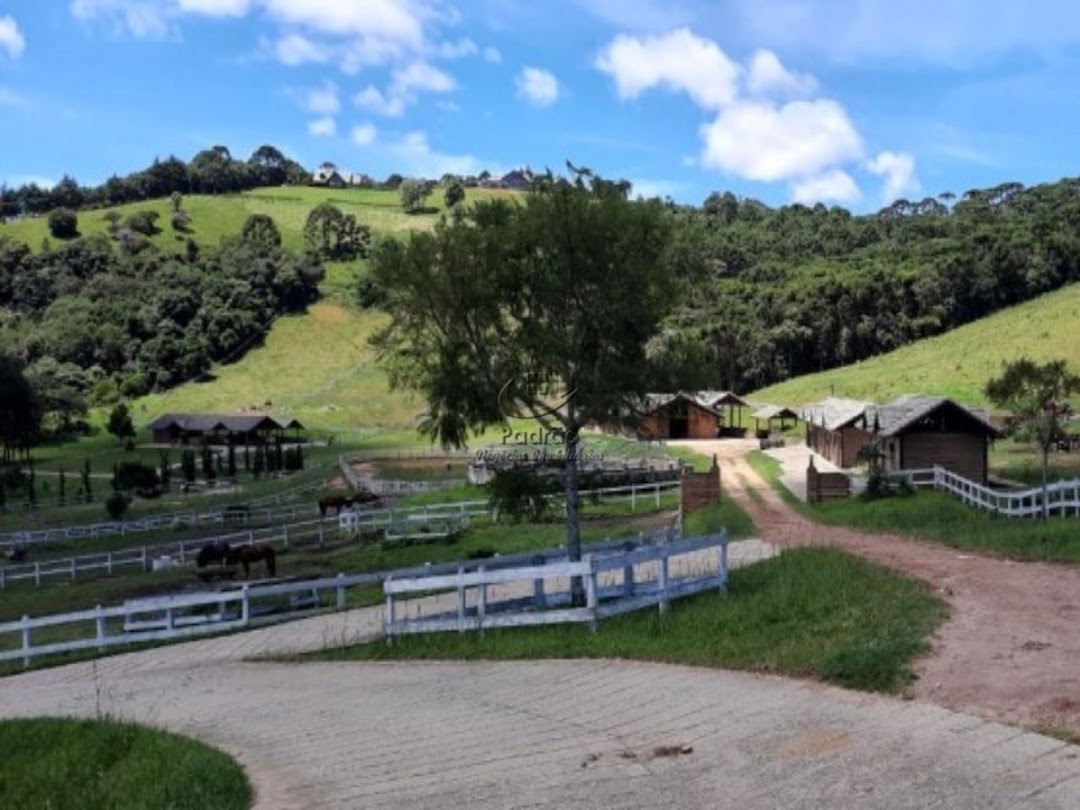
339 502
246 555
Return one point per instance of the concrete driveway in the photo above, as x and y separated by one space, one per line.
603 734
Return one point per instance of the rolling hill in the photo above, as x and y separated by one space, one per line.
956 364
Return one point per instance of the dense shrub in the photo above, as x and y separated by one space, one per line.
63 223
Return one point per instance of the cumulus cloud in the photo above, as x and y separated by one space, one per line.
322 127
834 185
399 20
373 100
456 50
144 19
295 49
677 61
323 100
416 157
492 54
363 134
215 8
898 169
537 86
760 141
766 75
420 77
11 38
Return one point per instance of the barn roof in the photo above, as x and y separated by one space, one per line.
234 423
835 412
718 398
774 412
894 417
654 402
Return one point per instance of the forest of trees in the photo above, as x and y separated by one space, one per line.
94 320
774 293
212 171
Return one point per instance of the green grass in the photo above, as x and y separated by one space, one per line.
956 364
810 613
108 765
939 517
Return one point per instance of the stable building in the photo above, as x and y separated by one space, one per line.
918 432
836 429
678 416
246 429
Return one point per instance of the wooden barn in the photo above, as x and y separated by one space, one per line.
188 428
678 416
836 429
917 432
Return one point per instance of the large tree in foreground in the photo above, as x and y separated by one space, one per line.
1038 397
542 308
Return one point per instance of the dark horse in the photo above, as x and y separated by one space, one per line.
339 502
216 552
246 555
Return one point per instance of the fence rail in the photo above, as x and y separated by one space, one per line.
176 616
527 600
1062 497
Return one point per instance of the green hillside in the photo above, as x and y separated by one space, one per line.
956 364
213 217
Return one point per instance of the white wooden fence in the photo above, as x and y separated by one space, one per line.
1062 497
178 616
629 586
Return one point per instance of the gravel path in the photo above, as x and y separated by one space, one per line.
1011 647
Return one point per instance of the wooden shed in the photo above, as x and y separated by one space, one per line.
678 416
917 432
771 414
836 429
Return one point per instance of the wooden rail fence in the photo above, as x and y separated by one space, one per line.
1062 497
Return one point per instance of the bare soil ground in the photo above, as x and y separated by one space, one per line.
1011 647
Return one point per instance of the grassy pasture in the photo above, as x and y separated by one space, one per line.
956 364
112 765
810 613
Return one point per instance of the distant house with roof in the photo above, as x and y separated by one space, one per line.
918 432
328 175
188 428
836 429
690 415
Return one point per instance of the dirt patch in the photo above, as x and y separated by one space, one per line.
1009 650
815 744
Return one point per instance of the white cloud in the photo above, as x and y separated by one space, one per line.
322 127
766 75
144 19
323 100
898 169
398 20
420 77
416 157
539 87
678 60
834 185
492 54
294 49
364 134
11 38
215 8
757 140
457 50
373 100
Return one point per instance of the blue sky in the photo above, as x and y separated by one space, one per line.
855 102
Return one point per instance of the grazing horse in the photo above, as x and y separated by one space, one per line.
16 555
246 555
339 502
216 552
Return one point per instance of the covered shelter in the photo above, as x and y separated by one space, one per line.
918 431
773 413
731 423
186 428
836 429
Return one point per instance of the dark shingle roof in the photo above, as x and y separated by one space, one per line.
835 412
234 423
893 417
774 412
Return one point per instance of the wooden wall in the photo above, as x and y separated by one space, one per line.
700 490
961 453
826 486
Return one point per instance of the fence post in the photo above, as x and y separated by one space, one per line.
3 577
539 601
183 549
657 488
340 592
461 598
245 606
321 540
99 621
591 599
663 580
73 569
628 570
37 574
722 572
285 535
169 619
251 537
26 641
633 497
145 562
108 563
481 604
388 615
